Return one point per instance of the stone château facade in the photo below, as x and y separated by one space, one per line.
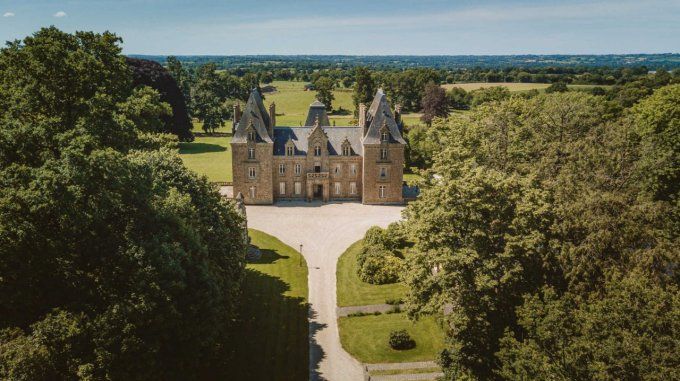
318 161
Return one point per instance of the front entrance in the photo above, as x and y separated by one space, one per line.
318 191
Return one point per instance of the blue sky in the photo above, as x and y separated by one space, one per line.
360 27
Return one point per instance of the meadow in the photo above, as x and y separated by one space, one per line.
512 86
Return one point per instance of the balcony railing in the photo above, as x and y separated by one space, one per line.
317 175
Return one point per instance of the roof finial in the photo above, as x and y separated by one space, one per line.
316 121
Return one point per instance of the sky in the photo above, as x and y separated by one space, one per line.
360 27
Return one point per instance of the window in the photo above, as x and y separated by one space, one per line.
337 170
385 136
298 187
252 192
353 169
298 169
353 188
383 154
251 136
282 169
289 151
251 153
383 172
317 150
282 188
346 151
317 167
251 172
382 191
337 188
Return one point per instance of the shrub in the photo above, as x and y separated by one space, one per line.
401 340
394 302
381 268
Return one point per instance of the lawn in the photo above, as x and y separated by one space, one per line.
352 291
274 329
209 156
512 86
366 338
292 103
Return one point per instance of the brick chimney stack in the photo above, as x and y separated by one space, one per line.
362 116
272 114
236 117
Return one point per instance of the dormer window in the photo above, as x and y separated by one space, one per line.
346 151
289 151
317 150
385 137
251 136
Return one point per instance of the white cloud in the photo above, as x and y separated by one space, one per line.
8 14
60 14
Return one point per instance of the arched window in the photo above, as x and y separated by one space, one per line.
317 150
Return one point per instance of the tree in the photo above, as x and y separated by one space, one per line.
489 94
434 103
364 87
324 91
557 87
459 99
181 76
152 74
117 262
347 82
208 99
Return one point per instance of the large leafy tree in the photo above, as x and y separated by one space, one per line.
434 103
364 87
536 218
324 91
115 261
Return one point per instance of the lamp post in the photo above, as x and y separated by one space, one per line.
300 262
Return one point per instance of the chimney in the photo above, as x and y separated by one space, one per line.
397 116
362 116
272 114
236 117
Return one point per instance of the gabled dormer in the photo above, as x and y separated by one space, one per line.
251 133
346 148
290 147
318 141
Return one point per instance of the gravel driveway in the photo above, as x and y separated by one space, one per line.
325 231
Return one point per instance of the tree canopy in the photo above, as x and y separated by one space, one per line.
116 262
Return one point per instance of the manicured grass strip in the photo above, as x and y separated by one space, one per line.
352 291
209 156
366 338
390 372
274 329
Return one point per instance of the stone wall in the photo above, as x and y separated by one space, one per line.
263 172
393 181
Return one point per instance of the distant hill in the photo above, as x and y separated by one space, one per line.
666 61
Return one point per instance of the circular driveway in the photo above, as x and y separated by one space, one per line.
325 231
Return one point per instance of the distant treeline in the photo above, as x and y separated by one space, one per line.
651 61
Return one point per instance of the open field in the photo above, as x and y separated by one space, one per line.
352 291
274 328
512 86
366 338
292 103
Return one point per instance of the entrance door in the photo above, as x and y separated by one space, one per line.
318 191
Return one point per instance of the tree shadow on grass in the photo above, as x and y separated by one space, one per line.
268 257
193 148
272 332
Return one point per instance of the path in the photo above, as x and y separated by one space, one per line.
325 231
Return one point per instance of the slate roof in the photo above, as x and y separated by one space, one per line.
256 113
380 113
336 136
317 110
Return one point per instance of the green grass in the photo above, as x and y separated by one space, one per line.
352 291
390 372
209 156
512 86
366 338
292 103
274 329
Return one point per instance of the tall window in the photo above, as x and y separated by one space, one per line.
353 188
298 188
385 136
289 151
346 151
317 150
251 136
382 191
353 169
282 169
337 188
251 172
298 169
282 188
383 172
317 167
251 153
383 154
337 169
252 192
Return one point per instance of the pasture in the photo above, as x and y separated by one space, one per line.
512 86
